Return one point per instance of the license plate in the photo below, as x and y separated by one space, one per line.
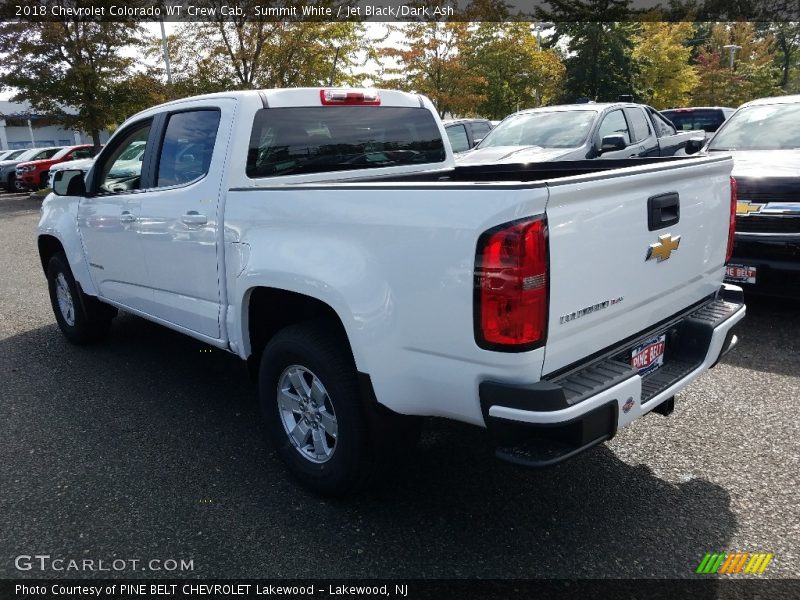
740 274
649 356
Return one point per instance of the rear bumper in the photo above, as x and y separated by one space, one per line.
550 421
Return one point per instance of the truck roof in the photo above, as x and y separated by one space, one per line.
308 96
690 108
595 106
774 100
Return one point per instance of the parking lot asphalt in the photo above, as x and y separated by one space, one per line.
148 446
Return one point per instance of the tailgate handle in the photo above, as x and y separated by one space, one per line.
663 210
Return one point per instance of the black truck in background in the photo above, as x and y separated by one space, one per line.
580 132
763 136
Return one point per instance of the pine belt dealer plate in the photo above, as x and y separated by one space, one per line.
649 355
740 274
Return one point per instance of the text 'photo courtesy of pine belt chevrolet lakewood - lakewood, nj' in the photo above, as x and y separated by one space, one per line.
329 238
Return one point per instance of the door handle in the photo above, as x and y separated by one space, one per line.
127 217
194 218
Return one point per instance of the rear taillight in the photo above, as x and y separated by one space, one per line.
511 286
339 97
732 222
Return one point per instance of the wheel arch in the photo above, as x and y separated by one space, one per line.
267 310
48 245
58 231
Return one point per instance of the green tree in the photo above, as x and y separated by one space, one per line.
246 53
599 64
515 73
753 75
663 76
432 61
786 46
72 71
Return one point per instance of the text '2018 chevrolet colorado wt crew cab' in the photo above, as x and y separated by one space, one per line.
326 237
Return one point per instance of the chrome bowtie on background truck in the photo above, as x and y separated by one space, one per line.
326 237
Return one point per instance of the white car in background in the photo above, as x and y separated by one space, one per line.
82 164
10 154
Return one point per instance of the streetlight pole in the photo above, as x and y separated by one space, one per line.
538 27
732 48
165 50
333 70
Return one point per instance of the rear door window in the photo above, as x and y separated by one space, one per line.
288 141
187 147
663 127
639 123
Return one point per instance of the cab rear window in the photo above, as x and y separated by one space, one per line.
289 141
689 120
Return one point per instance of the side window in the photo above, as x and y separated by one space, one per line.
664 128
44 154
458 138
639 124
121 171
479 130
187 147
614 124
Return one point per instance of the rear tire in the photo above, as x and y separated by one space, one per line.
81 318
312 406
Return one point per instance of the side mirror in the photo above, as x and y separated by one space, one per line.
695 144
613 142
476 141
69 182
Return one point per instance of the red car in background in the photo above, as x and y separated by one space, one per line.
33 175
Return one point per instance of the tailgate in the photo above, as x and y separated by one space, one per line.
613 271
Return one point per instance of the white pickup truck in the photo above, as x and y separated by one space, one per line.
326 237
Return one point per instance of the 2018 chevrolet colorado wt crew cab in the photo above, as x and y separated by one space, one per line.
326 237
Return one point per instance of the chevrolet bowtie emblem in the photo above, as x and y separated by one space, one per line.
744 207
663 249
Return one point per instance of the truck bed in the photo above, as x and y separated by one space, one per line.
534 171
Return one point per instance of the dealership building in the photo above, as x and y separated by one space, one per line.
21 127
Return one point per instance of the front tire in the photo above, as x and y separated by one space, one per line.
311 403
81 318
